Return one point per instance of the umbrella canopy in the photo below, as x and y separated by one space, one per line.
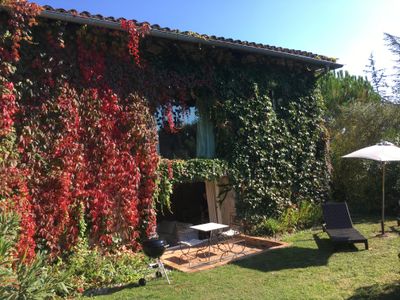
383 152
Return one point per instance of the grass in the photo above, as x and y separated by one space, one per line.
309 269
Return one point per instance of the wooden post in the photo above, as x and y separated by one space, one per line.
383 199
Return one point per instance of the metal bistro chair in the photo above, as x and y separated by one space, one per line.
232 240
190 250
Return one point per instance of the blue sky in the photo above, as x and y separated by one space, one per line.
347 29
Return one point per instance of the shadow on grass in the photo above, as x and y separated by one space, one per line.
108 290
379 292
395 229
295 257
289 258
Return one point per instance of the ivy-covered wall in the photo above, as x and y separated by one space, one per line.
270 133
80 121
276 155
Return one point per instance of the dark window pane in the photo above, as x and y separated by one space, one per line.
182 143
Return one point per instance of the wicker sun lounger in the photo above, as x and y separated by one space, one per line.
338 224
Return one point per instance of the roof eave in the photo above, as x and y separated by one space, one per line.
225 44
183 37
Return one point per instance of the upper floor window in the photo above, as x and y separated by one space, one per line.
179 143
192 137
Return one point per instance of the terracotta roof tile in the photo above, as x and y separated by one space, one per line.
157 27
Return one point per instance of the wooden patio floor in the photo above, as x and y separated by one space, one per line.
204 258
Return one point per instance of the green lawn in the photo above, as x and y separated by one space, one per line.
309 269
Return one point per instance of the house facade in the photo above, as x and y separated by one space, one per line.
234 127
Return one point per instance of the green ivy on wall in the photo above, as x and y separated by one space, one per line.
272 136
172 172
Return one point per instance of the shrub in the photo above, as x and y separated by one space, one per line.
301 216
36 280
19 279
91 268
128 266
309 214
289 219
269 226
8 236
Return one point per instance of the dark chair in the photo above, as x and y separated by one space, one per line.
398 214
338 224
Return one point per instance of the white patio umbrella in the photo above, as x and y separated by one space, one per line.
383 152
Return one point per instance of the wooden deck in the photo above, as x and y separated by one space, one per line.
204 258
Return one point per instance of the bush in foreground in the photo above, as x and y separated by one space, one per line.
22 279
84 268
304 215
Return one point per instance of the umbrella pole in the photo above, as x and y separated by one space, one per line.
383 199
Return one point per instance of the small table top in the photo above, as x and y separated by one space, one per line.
209 226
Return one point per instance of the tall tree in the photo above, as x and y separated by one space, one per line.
340 89
357 118
358 181
393 43
377 78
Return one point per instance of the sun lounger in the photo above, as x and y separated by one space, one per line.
338 224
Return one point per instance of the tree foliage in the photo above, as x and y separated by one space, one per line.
341 89
377 78
393 43
359 120
359 181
